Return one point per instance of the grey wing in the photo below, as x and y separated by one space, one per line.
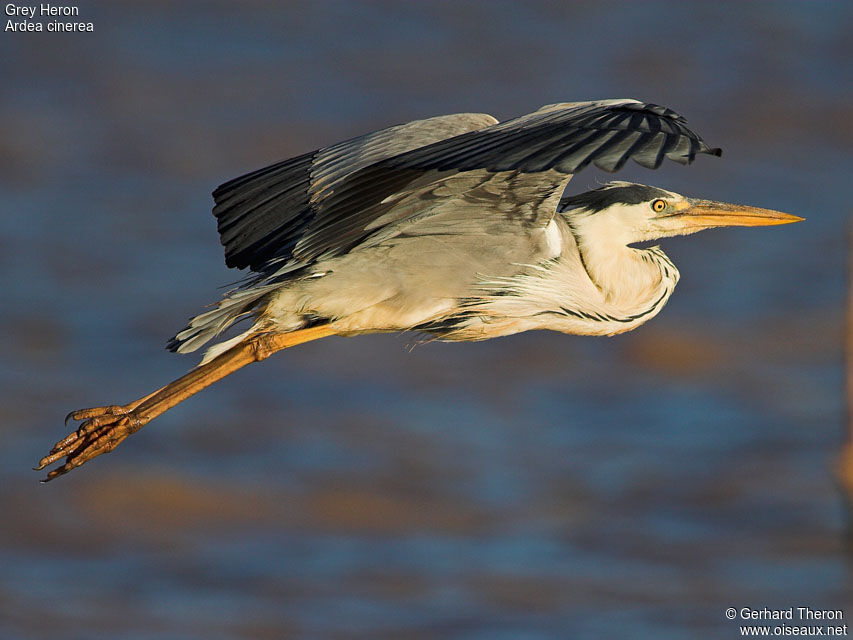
261 215
324 204
568 137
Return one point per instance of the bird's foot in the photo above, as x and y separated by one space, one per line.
102 430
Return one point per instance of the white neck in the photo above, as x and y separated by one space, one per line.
621 273
632 284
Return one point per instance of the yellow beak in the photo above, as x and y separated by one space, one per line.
707 213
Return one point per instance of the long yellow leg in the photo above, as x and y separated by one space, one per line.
104 428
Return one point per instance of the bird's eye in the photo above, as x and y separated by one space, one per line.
658 205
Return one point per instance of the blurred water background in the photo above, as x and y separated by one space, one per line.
538 486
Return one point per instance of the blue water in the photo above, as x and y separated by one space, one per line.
538 486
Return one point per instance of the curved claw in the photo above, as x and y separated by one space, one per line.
103 444
104 428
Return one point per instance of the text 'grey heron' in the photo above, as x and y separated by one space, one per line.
455 226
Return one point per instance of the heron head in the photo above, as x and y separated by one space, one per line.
625 212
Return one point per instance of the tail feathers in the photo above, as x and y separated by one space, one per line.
222 347
206 326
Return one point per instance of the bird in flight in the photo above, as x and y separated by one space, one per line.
456 226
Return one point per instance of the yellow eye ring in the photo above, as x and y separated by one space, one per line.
658 205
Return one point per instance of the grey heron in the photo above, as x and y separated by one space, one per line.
457 226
